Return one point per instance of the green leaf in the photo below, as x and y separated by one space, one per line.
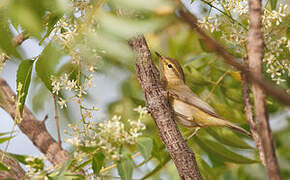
220 152
128 27
98 162
46 64
145 146
156 152
125 167
6 36
227 137
23 80
4 139
3 167
274 4
18 157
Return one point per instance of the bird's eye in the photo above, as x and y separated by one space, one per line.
169 66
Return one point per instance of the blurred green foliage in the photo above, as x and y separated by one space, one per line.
90 32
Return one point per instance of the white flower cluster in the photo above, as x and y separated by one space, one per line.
106 137
3 58
277 46
271 17
209 23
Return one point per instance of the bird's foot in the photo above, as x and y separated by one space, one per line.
193 134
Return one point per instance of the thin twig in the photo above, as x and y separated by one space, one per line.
250 115
115 165
56 118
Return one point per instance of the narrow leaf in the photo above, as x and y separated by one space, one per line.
23 82
227 137
221 152
145 146
125 167
274 4
98 162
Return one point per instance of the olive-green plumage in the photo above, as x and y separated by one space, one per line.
189 109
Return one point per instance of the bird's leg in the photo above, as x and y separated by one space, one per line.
194 133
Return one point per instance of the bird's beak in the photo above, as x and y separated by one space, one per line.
159 55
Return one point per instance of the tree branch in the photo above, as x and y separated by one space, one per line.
34 129
15 170
158 106
255 50
250 115
269 88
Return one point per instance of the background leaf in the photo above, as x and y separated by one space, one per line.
98 162
125 167
221 152
46 65
145 146
3 167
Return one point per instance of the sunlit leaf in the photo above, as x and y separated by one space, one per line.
128 28
221 152
125 167
4 139
145 145
236 75
110 46
151 5
23 82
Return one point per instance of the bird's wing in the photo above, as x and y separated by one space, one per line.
187 96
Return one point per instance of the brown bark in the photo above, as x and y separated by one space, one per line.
17 40
255 50
269 88
34 129
157 104
15 170
250 115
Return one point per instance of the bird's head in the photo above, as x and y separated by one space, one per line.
170 71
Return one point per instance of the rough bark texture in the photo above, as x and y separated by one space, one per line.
258 78
15 170
250 115
34 129
255 50
158 106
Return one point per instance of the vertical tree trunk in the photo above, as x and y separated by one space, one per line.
255 50
158 106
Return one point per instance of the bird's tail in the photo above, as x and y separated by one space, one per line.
237 128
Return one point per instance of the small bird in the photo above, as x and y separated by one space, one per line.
189 109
